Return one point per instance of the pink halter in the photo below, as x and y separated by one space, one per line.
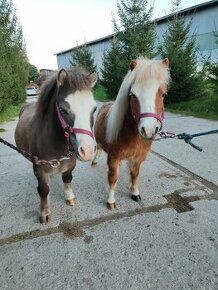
68 129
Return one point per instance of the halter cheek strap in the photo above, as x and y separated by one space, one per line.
68 129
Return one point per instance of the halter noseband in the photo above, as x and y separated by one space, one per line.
153 115
68 129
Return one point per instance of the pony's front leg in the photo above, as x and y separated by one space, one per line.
43 190
113 174
97 154
134 167
70 197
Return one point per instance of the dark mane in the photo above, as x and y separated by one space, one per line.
78 79
48 90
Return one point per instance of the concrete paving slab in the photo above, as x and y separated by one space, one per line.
164 250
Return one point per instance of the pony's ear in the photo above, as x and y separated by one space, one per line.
62 77
132 64
94 77
166 62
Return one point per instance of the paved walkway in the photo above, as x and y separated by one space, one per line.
168 241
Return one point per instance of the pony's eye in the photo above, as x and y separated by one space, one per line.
93 111
62 111
132 95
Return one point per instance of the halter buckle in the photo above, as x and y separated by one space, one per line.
54 163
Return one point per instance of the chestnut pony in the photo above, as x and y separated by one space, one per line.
58 128
125 129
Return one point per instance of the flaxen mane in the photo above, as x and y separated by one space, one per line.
145 71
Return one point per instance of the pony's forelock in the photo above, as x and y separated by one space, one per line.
151 69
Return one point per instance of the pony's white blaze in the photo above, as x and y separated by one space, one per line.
146 95
82 104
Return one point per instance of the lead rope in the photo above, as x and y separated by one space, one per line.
186 137
34 159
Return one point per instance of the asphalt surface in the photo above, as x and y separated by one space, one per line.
167 241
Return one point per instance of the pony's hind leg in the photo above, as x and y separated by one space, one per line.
134 167
113 174
97 154
43 190
70 197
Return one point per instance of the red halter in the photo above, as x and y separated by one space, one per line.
68 129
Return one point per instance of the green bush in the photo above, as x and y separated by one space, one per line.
100 93
204 107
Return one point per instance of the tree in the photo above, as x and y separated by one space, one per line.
212 69
213 75
82 56
136 33
181 50
13 60
33 73
113 68
134 37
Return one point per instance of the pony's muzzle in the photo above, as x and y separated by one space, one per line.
150 124
86 152
148 133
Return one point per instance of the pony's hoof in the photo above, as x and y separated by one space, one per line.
111 205
71 202
94 163
136 197
44 219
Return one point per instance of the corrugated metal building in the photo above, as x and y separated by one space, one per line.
204 23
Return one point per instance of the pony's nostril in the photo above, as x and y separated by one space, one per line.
86 152
82 150
156 130
143 132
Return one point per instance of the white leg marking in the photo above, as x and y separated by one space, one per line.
111 195
111 198
68 191
135 190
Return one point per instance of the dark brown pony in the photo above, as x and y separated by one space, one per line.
59 127
125 129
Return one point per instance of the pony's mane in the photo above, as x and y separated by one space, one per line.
145 71
78 79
